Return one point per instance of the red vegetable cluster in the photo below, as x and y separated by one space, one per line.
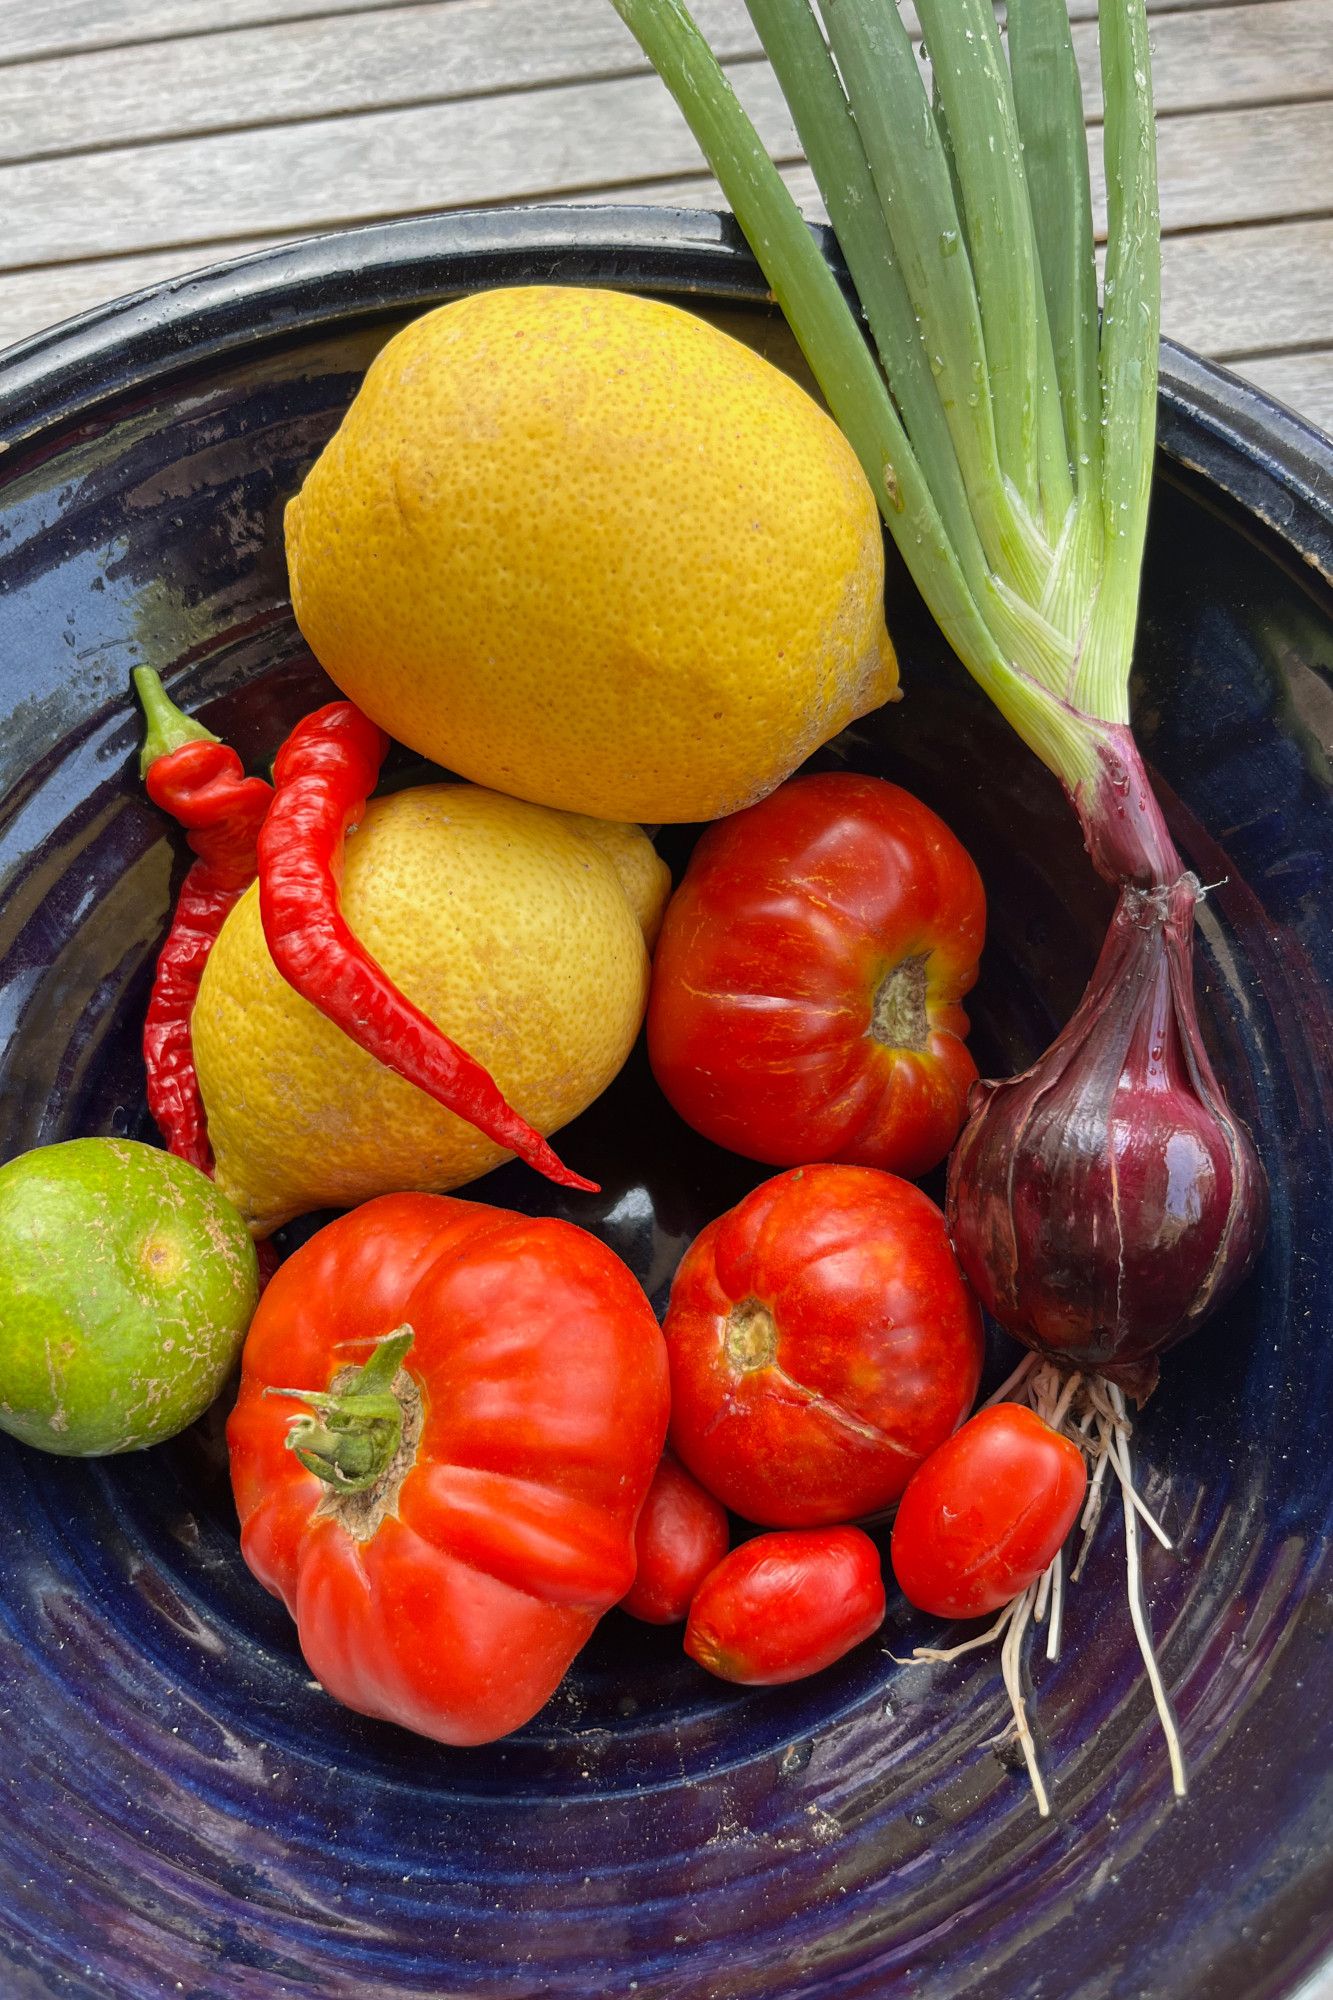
822 1339
824 1349
448 1446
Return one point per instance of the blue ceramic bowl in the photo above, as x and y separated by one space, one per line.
186 1813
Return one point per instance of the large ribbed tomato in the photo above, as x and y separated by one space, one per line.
822 1342
447 1528
806 985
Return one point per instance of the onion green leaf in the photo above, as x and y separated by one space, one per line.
1009 447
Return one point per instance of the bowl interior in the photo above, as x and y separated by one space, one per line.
194 1809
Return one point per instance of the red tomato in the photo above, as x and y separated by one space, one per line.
804 1003
524 1424
986 1513
822 1341
682 1534
783 1606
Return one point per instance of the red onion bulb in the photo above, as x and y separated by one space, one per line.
1107 1200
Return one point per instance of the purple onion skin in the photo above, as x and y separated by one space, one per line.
1106 1201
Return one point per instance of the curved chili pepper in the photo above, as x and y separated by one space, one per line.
323 775
201 783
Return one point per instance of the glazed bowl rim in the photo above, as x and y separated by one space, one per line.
1273 463
1224 433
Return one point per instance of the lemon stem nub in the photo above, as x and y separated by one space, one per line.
355 1433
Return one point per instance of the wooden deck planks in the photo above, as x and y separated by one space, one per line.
1216 168
308 69
1233 293
63 27
1304 382
250 78
141 138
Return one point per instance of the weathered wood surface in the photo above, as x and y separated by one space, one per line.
472 48
142 138
1304 381
1216 167
60 27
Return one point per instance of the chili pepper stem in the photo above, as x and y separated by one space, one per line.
354 1435
168 726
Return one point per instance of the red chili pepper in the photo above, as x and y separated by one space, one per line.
323 775
201 783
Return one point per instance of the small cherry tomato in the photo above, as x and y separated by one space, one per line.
806 985
986 1513
822 1342
783 1606
682 1535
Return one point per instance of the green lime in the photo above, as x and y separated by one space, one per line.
126 1285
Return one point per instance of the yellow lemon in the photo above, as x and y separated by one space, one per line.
505 923
644 876
586 549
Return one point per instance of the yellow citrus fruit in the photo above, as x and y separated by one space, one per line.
584 548
644 876
505 923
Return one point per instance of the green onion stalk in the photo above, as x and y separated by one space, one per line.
1106 1201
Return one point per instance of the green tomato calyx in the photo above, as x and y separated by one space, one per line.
354 1432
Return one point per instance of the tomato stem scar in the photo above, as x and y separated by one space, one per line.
898 1017
752 1335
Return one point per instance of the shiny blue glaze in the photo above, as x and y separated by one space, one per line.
185 1813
